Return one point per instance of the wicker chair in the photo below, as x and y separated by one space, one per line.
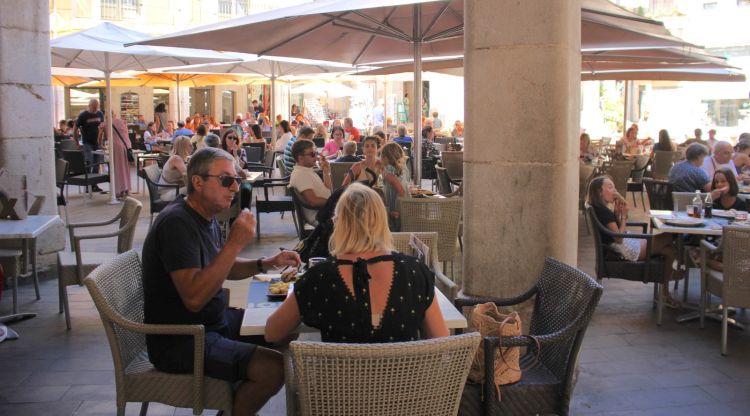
151 174
565 302
400 243
680 200
441 215
635 184
72 267
663 161
444 185
453 162
620 173
733 284
339 170
117 290
611 265
659 194
403 378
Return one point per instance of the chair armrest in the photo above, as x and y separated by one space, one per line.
448 284
706 246
72 226
463 300
290 382
643 225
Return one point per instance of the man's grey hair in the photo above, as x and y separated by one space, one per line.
401 130
201 162
305 133
695 151
212 140
350 148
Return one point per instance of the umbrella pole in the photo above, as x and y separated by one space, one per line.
417 99
179 117
272 104
625 100
107 75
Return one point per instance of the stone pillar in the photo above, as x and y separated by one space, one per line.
522 86
26 122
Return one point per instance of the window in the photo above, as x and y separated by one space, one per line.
225 9
119 9
727 113
227 107
200 101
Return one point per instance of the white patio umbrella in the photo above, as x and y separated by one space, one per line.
269 67
371 31
103 48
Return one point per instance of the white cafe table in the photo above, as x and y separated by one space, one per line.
711 226
26 230
260 307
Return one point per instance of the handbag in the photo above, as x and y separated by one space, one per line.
128 151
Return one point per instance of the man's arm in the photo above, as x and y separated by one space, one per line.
197 286
244 268
312 200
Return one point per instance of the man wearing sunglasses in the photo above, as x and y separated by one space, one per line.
185 264
313 190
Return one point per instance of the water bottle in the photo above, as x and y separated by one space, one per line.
708 206
697 204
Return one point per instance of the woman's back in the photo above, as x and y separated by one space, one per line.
171 174
379 299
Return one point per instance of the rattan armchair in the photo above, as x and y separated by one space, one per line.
733 284
453 162
659 194
395 379
612 265
635 183
117 290
400 243
339 170
663 161
565 300
151 174
440 215
72 267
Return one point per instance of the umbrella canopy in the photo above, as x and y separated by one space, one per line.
166 80
103 48
67 80
370 31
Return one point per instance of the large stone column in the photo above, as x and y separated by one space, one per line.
26 96
522 83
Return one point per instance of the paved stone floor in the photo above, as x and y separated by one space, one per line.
628 365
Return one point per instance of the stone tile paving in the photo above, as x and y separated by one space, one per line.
627 366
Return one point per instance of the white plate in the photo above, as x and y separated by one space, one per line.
723 213
684 222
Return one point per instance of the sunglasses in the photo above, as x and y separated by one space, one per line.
226 180
312 154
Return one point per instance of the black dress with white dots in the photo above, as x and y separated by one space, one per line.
326 303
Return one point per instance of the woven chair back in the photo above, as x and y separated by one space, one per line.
440 215
585 175
339 170
659 194
663 161
639 168
620 172
404 378
128 220
76 162
564 294
61 170
400 243
117 290
453 162
443 181
680 200
736 260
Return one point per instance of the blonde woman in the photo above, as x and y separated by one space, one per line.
395 181
364 293
175 169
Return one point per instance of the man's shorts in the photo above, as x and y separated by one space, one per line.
226 358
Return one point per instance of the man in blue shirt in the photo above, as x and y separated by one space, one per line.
402 138
687 176
182 131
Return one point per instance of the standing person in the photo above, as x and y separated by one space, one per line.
364 264
87 127
119 145
185 264
437 123
711 142
395 181
368 169
160 117
353 131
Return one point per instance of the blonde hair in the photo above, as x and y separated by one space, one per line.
393 155
182 147
360 223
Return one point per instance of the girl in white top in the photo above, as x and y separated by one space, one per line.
281 142
175 169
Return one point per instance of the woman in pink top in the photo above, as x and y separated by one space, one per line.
331 148
118 146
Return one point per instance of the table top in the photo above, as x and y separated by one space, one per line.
30 227
711 226
260 307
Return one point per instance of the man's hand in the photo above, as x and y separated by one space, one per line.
283 259
324 166
243 229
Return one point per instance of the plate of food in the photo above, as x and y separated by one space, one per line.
421 193
684 222
277 289
725 213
